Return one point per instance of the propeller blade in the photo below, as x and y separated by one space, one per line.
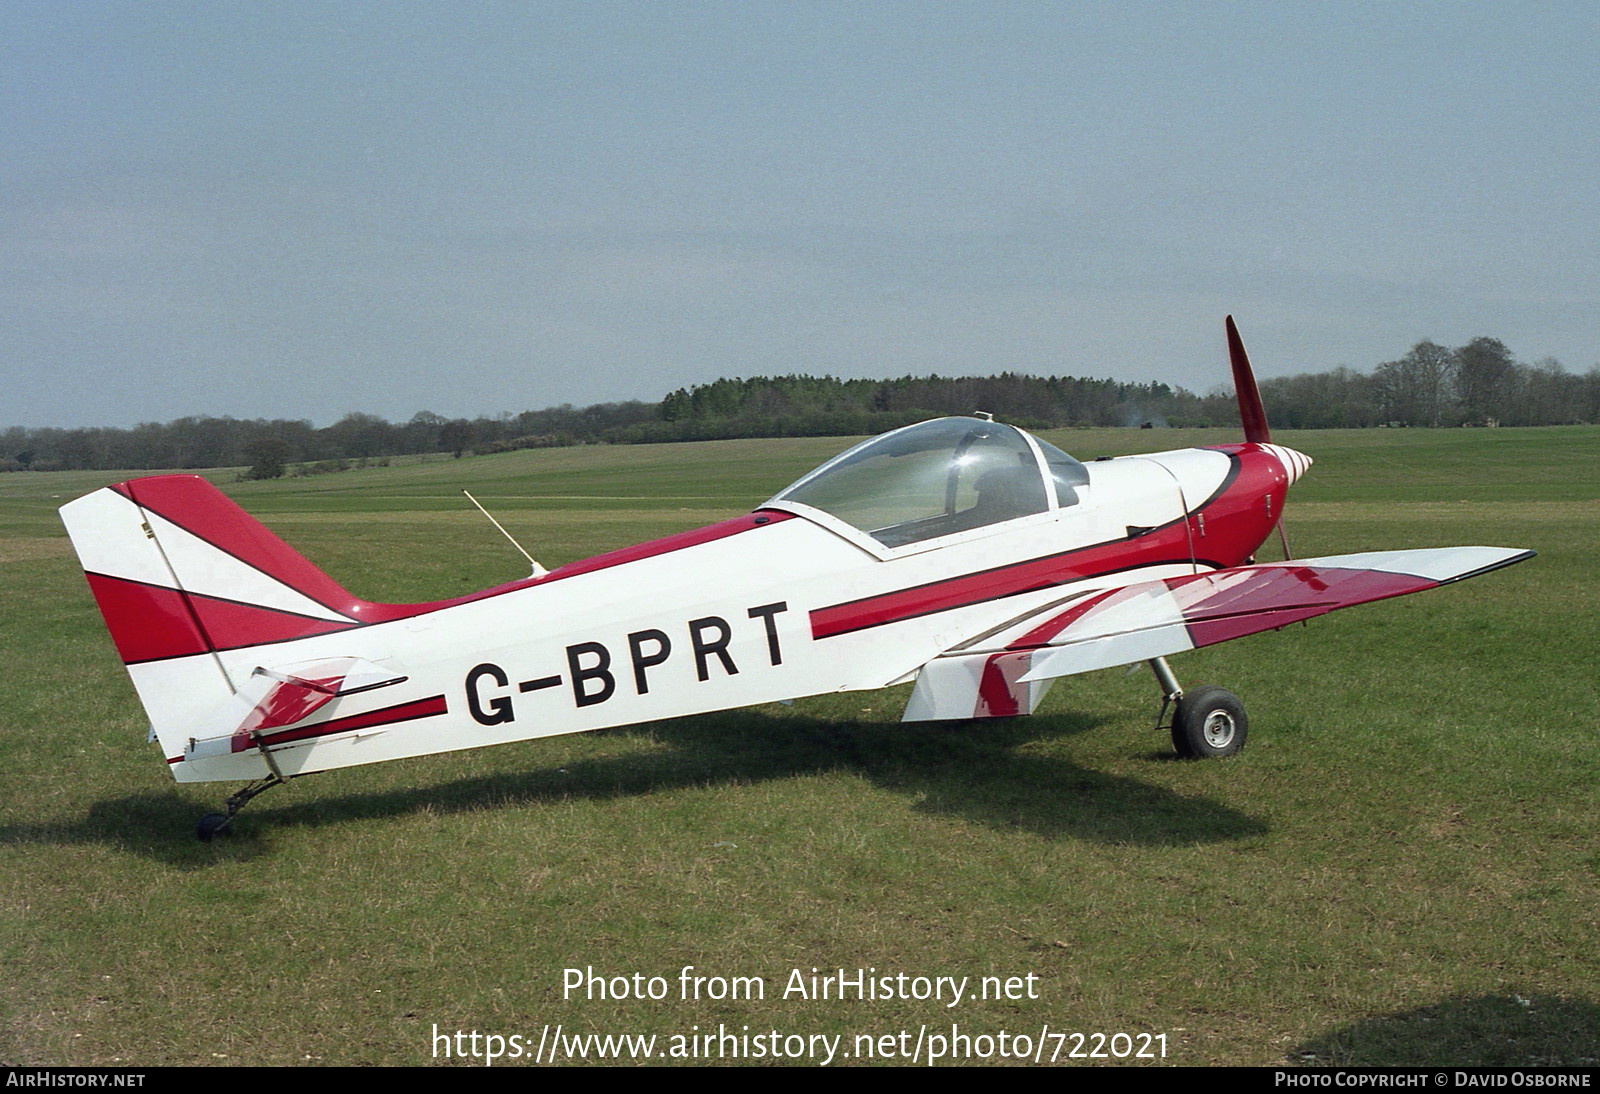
1252 415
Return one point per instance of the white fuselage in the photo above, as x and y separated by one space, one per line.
799 605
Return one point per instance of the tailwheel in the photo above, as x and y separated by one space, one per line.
1209 722
213 823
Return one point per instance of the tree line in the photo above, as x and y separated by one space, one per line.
1480 383
270 446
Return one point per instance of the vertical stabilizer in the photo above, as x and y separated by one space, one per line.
180 573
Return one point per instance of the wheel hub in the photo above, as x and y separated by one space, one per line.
1218 729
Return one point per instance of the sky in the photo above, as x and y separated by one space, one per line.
304 209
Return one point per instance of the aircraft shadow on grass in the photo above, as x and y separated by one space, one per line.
1475 1031
976 771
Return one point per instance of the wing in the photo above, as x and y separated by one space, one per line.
1006 671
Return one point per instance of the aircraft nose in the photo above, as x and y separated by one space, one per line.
1294 463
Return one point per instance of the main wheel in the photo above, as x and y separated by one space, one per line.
1209 722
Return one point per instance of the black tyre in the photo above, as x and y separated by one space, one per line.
210 825
1209 722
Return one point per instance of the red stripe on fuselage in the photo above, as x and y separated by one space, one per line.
404 712
1164 547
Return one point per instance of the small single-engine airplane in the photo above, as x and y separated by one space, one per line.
961 553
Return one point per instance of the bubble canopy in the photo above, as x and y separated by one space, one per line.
939 478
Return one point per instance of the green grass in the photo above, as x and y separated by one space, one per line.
1401 868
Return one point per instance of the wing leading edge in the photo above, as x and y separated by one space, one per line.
1007 671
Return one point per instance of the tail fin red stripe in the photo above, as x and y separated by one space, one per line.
231 625
147 622
153 623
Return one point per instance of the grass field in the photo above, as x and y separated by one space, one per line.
1403 867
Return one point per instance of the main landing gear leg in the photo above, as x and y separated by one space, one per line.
1206 722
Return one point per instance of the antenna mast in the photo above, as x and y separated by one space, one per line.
537 569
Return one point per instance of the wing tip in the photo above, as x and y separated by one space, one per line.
1521 555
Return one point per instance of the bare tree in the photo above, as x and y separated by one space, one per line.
1417 389
1486 379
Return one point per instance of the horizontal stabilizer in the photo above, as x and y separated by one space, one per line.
274 698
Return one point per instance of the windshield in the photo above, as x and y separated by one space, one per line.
934 479
1066 473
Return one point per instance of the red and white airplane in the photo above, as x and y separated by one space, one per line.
961 553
